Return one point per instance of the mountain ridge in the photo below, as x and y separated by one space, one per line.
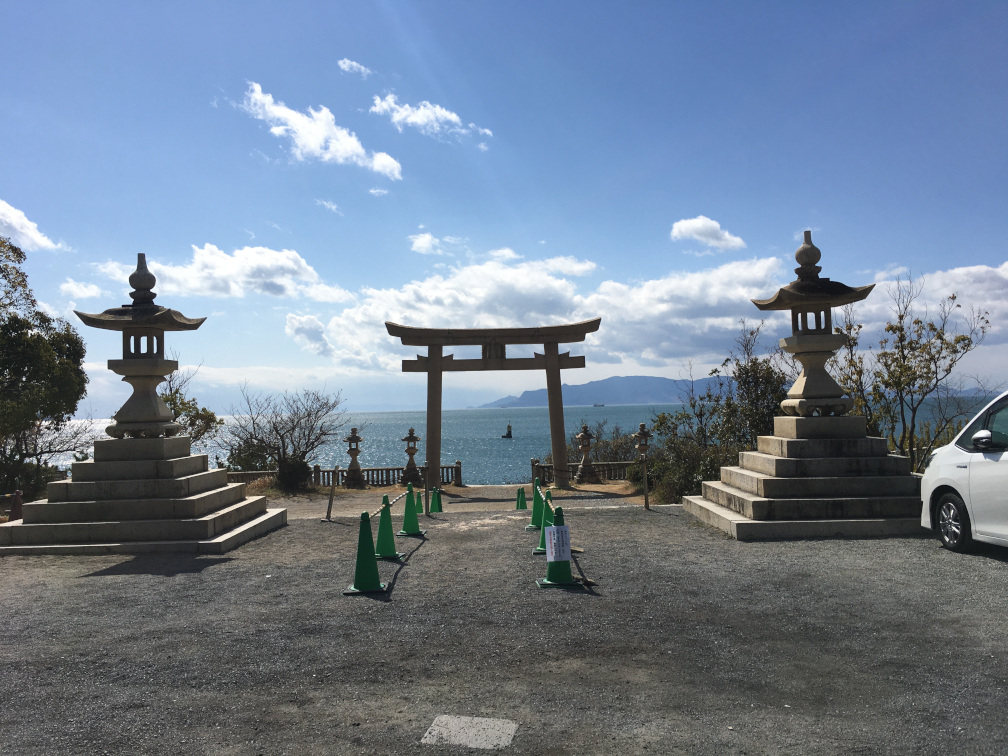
634 389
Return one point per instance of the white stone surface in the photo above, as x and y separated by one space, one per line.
471 732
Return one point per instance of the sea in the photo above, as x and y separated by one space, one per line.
474 437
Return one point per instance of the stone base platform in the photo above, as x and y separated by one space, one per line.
140 496
817 477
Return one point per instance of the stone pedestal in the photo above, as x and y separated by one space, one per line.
141 495
816 477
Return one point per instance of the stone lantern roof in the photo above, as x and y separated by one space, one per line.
142 312
810 291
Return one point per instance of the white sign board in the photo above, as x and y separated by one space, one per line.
557 544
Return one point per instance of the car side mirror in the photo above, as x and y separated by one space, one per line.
982 440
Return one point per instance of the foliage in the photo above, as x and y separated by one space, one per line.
607 446
692 444
285 429
907 387
199 423
42 380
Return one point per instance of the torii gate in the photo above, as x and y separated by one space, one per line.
494 342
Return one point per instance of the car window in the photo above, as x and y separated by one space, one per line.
966 437
997 424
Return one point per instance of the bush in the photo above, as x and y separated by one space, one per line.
293 475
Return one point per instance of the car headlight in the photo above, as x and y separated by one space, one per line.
927 461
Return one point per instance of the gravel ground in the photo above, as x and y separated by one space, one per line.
687 641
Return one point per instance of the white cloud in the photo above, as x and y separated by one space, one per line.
378 192
350 66
309 333
706 231
315 135
14 224
426 244
78 290
247 271
330 206
427 118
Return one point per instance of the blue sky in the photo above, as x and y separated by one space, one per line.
302 172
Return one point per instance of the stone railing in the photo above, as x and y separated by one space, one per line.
605 470
373 476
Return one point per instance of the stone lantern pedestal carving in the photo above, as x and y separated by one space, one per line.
819 475
144 490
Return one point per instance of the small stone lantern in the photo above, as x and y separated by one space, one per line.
642 437
143 366
411 474
586 471
354 476
812 340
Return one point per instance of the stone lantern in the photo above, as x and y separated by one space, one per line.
810 300
143 366
586 471
411 474
354 476
642 437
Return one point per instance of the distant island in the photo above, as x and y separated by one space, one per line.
635 389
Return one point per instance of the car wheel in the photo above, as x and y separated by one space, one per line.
953 523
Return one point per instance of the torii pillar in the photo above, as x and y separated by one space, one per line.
494 343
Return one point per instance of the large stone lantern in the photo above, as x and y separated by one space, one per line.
143 366
354 476
586 472
810 300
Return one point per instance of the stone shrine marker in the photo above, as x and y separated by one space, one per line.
494 343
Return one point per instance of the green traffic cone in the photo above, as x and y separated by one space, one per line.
435 504
410 525
547 521
558 573
385 547
366 578
520 503
537 508
410 503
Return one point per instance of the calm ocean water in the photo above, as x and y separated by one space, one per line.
474 437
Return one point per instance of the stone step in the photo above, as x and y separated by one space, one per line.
202 528
123 449
794 448
270 520
744 529
819 467
833 486
141 469
826 507
197 505
150 488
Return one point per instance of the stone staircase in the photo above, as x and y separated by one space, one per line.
816 477
141 495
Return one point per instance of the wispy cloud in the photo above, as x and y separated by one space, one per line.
706 231
308 332
427 118
78 290
247 271
426 244
330 206
378 192
351 66
315 136
14 224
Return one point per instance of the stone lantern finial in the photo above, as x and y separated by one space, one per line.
142 281
807 255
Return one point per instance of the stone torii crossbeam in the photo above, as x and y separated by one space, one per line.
494 343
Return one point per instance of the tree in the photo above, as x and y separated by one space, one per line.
285 429
199 423
42 380
907 388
